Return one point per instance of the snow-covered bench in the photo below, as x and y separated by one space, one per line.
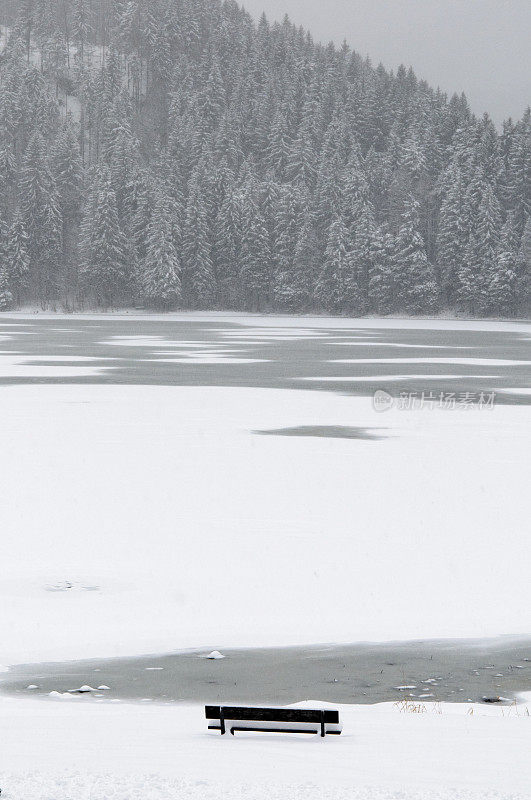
273 720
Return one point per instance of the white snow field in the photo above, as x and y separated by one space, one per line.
179 527
82 750
198 533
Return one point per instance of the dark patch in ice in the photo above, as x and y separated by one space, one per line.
326 431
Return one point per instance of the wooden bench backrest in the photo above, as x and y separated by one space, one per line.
331 716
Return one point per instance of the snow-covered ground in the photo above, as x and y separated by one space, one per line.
81 750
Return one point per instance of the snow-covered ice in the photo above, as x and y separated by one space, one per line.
482 362
11 370
406 346
383 378
190 524
206 360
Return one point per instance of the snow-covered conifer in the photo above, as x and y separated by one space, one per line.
104 248
197 273
161 282
17 259
417 289
41 215
334 280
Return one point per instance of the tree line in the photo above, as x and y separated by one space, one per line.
172 153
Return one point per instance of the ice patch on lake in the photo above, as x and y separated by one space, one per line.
401 345
30 358
208 360
205 349
384 378
266 334
42 371
487 362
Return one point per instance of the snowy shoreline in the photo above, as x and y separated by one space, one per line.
277 318
386 752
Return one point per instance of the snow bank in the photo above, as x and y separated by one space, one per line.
123 751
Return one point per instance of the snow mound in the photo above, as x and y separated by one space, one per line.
215 655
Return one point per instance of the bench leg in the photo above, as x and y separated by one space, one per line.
222 722
322 724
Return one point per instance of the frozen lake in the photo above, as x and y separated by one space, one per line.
225 481
352 357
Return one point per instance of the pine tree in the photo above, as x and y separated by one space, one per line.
363 232
212 101
8 174
328 199
301 166
519 172
482 253
383 291
161 267
39 204
198 276
526 244
17 259
417 289
105 254
255 259
506 289
68 174
6 298
294 290
278 153
226 250
451 237
332 285
289 218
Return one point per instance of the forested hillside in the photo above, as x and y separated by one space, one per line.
174 154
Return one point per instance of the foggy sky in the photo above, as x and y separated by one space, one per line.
481 47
